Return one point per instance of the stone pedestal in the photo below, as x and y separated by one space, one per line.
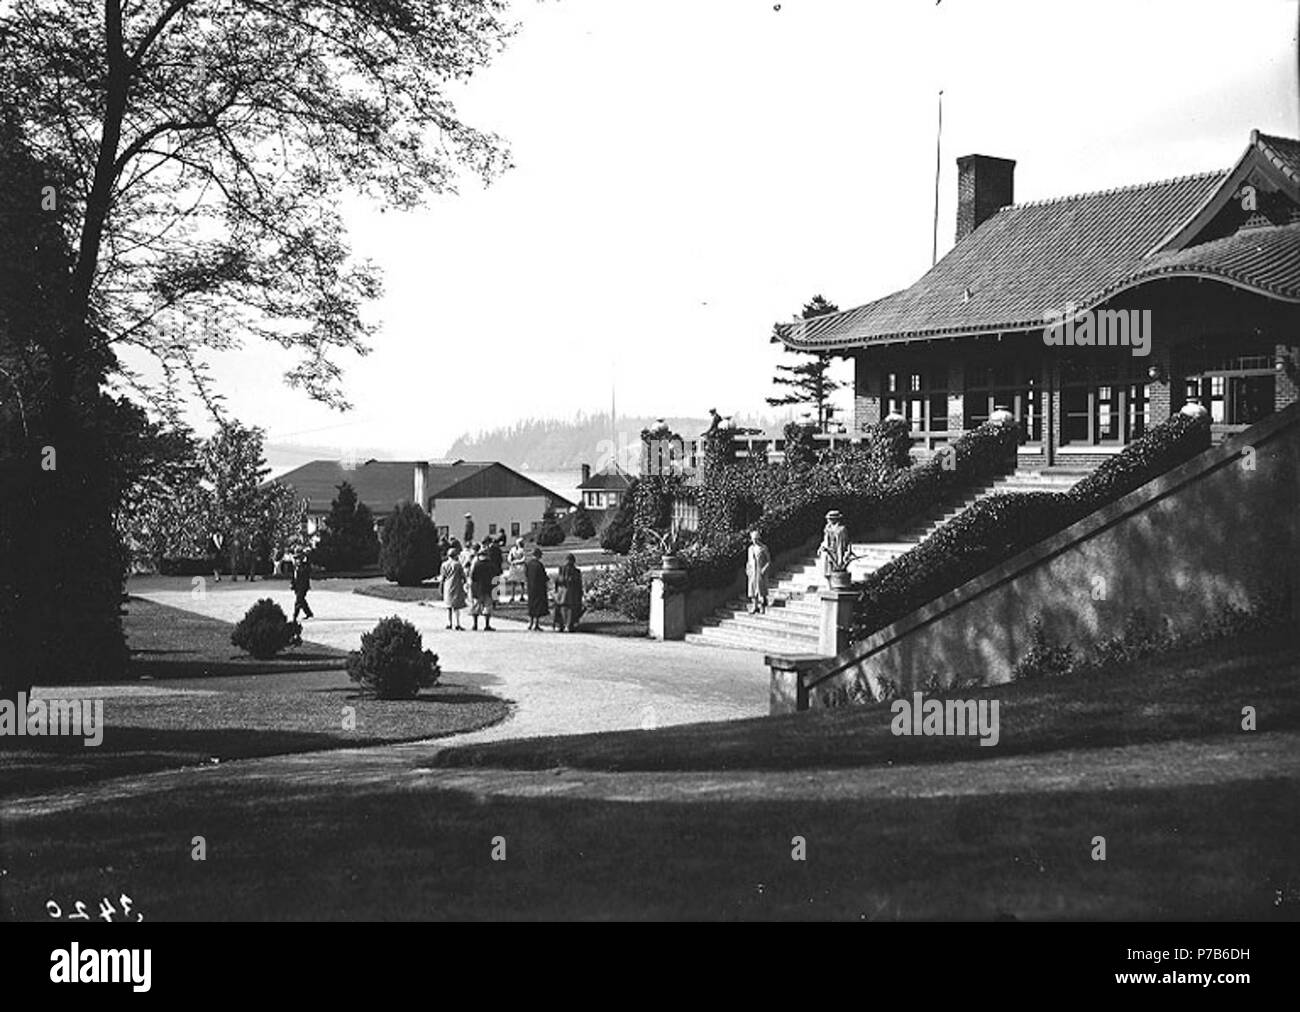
836 620
667 604
788 693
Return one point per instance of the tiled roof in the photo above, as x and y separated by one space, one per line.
1262 259
380 484
1030 258
1283 152
602 480
1024 260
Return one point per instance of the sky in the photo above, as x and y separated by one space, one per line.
687 173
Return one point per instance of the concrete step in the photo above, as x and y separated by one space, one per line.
718 637
774 623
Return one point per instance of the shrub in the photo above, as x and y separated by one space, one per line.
620 531
409 552
550 533
1043 659
891 443
583 525
392 662
634 601
264 631
800 446
606 587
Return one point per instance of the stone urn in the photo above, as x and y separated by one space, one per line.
1193 409
672 561
840 580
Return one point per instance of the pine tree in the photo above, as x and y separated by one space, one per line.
409 552
809 381
583 525
551 533
348 540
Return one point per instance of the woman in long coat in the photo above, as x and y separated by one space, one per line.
452 578
758 563
568 596
535 581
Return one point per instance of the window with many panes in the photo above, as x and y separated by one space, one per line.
920 396
1009 384
1103 404
1237 386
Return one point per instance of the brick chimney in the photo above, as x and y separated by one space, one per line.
984 184
586 473
421 485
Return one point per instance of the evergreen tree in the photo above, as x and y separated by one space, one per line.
348 540
621 529
408 546
808 381
583 525
551 533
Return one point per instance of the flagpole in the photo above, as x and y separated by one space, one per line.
938 140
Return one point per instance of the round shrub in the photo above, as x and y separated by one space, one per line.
264 631
633 600
392 662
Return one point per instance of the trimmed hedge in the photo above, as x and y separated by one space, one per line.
1000 526
864 482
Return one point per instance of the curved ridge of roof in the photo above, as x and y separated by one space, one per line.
1130 188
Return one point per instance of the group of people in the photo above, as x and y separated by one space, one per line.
472 573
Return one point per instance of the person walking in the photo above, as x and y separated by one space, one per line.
758 564
535 581
482 578
452 578
469 528
300 583
217 539
568 595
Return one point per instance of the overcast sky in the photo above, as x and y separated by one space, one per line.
689 172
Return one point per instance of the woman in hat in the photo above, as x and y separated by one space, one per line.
515 574
452 577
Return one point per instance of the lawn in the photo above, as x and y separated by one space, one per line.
1194 693
1200 819
195 700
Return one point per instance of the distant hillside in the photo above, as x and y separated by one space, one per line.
549 444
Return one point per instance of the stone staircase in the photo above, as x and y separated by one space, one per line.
790 624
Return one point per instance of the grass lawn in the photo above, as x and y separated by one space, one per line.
1194 693
1200 819
196 700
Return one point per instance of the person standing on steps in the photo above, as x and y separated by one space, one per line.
300 584
452 578
758 564
535 581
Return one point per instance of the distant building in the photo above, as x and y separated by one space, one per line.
498 498
604 490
